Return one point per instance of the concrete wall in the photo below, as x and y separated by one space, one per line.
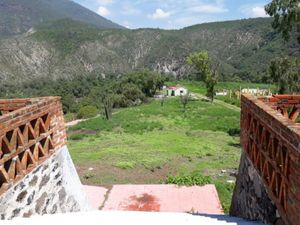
250 199
52 187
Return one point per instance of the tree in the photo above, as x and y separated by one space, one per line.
211 82
285 72
148 82
208 75
132 94
103 97
184 100
162 100
107 101
286 15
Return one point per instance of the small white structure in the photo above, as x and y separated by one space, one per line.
255 91
222 93
176 91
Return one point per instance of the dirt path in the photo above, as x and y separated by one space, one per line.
219 102
74 122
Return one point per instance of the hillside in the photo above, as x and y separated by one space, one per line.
67 49
18 16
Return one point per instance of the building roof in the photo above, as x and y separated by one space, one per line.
174 88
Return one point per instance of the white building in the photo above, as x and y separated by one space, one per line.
176 91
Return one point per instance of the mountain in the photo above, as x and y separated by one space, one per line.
18 16
68 48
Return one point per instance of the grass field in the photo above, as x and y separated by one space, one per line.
149 143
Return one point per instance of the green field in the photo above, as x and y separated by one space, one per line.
149 143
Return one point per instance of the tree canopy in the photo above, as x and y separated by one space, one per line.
285 73
286 15
202 62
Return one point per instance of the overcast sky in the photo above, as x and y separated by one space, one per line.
174 14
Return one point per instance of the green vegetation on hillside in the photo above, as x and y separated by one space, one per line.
66 35
243 48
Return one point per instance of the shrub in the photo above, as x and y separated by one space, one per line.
70 117
234 132
87 112
125 165
189 180
77 137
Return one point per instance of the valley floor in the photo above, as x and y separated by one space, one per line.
149 143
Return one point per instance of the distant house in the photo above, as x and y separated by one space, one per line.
176 91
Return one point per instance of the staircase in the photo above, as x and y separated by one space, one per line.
130 218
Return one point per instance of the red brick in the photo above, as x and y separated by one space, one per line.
287 133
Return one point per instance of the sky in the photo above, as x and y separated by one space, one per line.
173 14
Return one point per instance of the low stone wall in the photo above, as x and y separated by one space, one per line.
250 199
52 187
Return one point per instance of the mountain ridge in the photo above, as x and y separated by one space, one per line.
66 49
18 16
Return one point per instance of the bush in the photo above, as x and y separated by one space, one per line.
87 112
77 137
125 165
70 117
235 132
189 180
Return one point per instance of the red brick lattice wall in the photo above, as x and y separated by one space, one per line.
271 139
31 130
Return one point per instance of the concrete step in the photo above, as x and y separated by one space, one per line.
129 218
156 198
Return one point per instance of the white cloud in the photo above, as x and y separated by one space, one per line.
208 8
211 8
126 24
105 2
258 11
102 11
186 21
128 9
254 10
159 14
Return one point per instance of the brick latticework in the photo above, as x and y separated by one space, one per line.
31 130
271 139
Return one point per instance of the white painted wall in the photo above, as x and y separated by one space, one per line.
178 92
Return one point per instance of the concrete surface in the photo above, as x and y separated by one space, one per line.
96 195
156 198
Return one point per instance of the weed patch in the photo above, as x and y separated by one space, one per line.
189 180
77 137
